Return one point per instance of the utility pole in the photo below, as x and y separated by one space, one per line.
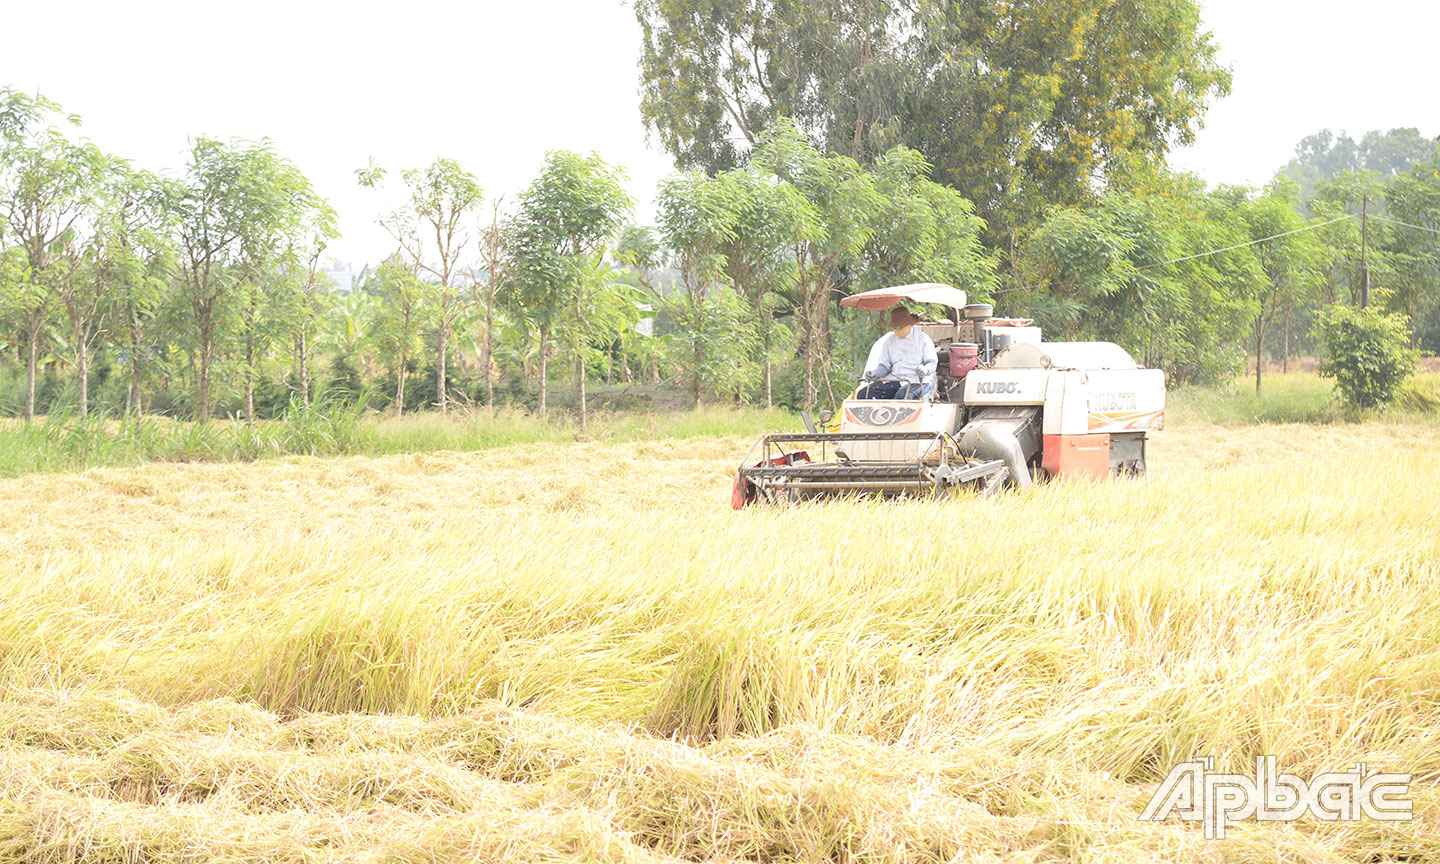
1364 270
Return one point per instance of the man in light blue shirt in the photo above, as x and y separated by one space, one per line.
905 353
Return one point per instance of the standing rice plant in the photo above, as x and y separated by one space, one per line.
350 655
732 679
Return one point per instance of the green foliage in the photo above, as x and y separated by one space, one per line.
568 217
1014 108
572 210
1325 155
924 232
432 235
398 320
1104 273
236 211
1366 353
204 294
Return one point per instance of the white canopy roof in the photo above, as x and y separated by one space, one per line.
923 292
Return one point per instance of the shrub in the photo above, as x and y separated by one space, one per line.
1366 353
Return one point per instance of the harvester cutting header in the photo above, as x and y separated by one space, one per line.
973 401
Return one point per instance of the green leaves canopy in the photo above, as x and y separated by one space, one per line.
1016 105
570 212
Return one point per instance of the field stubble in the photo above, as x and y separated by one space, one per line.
559 651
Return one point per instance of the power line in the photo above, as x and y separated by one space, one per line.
1251 243
1406 224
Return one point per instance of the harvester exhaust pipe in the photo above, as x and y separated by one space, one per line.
997 441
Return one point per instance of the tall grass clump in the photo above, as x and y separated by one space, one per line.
1297 397
65 441
336 426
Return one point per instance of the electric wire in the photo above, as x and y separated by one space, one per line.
1250 243
1406 224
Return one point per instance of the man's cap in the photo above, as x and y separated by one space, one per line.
900 316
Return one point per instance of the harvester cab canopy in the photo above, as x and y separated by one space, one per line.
922 292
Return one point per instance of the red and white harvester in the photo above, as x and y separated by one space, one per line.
1007 409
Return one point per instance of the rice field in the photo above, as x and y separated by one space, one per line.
576 651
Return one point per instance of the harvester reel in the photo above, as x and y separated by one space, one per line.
804 466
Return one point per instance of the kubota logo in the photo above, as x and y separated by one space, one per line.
997 387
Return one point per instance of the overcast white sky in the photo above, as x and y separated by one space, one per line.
495 83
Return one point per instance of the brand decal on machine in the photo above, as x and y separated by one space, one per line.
998 387
1113 402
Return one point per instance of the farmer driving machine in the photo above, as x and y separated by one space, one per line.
1007 409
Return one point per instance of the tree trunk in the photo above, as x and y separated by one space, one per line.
250 376
698 310
132 388
444 349
32 356
132 395
400 386
1259 352
768 324
1285 352
487 355
304 368
82 370
580 378
807 336
810 392
544 365
580 339
812 348
207 353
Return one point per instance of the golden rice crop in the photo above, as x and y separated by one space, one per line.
578 651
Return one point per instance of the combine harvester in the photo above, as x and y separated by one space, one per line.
1007 409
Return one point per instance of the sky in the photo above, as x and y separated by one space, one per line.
494 84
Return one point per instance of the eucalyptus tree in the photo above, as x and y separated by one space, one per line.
924 231
431 232
1360 249
567 219
283 209
1017 105
1141 269
47 189
1290 264
1414 199
82 284
20 112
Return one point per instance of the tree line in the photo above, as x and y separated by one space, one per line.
180 294
205 293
